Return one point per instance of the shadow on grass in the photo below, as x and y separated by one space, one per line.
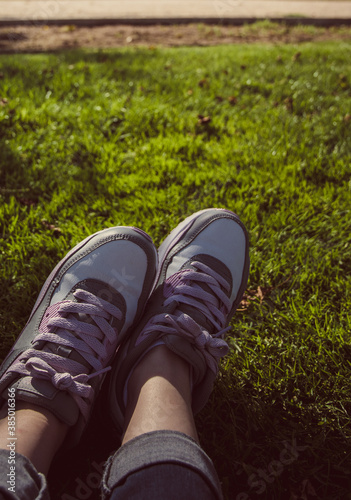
257 452
13 184
14 174
76 473
263 450
132 61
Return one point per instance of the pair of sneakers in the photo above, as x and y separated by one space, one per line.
112 298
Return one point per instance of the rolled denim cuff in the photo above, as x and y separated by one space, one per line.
19 479
158 448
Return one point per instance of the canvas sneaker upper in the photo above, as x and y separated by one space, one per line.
202 274
84 311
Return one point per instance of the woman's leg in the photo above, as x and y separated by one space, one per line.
52 375
165 370
38 436
160 455
159 396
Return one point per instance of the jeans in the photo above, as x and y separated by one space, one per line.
157 465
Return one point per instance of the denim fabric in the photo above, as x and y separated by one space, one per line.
160 465
157 465
27 483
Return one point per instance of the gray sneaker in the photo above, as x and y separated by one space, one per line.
83 313
202 275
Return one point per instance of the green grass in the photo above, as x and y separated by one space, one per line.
94 139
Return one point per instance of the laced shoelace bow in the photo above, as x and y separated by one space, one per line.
184 288
88 340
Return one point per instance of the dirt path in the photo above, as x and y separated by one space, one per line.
52 38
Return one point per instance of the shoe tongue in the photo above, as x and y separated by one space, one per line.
194 312
99 289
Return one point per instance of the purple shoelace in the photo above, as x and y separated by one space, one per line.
94 340
183 288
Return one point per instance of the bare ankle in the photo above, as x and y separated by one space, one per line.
162 362
159 395
38 432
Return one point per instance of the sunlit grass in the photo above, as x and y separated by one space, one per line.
145 137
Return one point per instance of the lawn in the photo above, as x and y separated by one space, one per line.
145 137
